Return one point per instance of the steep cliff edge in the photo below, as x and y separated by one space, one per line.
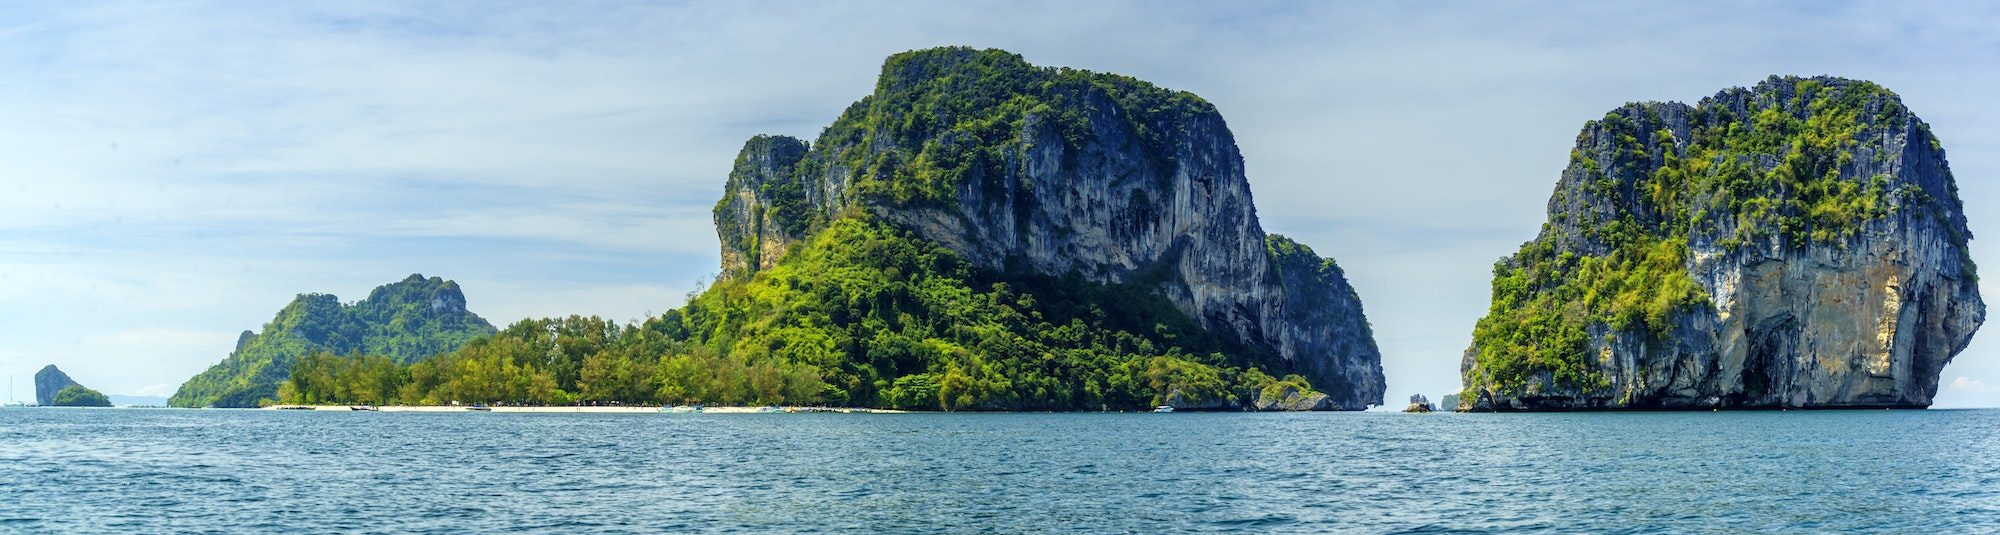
408 320
1060 173
1796 244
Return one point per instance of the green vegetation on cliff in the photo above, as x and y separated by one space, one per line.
1769 167
863 314
893 320
49 381
78 396
964 111
405 321
1542 309
953 116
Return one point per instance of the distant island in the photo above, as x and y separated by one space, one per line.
1797 244
978 234
53 388
404 322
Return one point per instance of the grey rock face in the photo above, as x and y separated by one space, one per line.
1320 315
1179 401
1861 319
1132 196
48 382
759 216
1419 403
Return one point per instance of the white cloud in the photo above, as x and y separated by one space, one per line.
1969 384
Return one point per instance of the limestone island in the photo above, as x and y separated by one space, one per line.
979 233
1797 244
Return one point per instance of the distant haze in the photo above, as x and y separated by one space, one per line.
143 401
173 175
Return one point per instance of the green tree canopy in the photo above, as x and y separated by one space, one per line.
78 396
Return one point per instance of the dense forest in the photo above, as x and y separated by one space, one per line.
863 314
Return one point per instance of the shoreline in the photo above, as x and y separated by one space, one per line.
566 409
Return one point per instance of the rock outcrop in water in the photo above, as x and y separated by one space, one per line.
53 388
1021 169
49 381
406 321
1419 403
1796 244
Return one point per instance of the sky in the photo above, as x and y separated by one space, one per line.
173 174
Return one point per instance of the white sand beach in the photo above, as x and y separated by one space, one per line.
623 409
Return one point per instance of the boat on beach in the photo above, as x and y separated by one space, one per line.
480 407
681 409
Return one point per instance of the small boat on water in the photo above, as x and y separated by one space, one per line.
365 408
480 407
770 409
681 409
1164 408
295 408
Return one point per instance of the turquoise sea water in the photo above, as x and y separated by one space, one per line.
185 471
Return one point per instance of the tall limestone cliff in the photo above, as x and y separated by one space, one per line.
1799 243
407 321
1057 172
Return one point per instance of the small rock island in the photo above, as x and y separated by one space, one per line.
1797 244
53 388
976 234
1420 403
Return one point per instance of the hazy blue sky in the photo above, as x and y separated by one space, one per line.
172 175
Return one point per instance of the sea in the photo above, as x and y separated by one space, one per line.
251 471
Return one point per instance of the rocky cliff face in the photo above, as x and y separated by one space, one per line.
1796 244
754 232
1020 168
48 382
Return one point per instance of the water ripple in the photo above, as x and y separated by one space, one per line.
269 471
